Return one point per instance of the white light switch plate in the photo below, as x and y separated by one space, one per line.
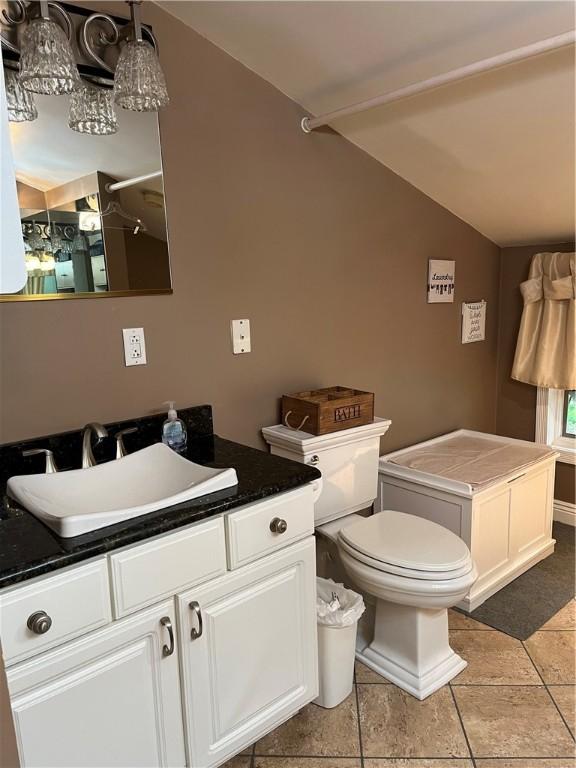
134 346
241 336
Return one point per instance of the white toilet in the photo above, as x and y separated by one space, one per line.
409 569
416 570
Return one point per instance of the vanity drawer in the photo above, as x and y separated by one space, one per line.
145 574
76 600
261 528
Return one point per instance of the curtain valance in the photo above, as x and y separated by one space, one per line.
546 347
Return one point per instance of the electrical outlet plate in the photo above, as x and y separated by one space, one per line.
241 336
134 346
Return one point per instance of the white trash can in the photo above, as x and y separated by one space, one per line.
338 610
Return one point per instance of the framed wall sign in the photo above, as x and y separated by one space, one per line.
441 281
473 321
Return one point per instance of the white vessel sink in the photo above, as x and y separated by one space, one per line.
84 500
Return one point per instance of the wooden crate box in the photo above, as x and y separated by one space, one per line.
320 411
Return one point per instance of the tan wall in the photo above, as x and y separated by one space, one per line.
323 248
516 415
64 196
30 199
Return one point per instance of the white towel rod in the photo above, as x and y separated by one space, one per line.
131 182
478 67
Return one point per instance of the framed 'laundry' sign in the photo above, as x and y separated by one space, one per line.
441 281
473 321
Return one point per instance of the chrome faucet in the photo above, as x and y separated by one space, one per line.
100 431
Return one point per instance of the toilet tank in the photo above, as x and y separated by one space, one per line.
348 461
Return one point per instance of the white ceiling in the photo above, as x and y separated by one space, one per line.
497 150
47 153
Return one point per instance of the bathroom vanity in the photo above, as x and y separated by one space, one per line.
496 493
178 638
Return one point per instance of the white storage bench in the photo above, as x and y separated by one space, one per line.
496 493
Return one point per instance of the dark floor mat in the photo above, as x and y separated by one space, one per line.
524 605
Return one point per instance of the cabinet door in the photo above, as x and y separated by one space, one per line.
64 274
530 511
248 643
99 271
111 698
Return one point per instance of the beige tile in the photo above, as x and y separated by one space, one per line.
564 619
493 659
307 762
565 698
505 721
457 620
400 763
395 724
365 675
315 731
524 763
553 653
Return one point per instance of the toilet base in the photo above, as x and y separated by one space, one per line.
411 649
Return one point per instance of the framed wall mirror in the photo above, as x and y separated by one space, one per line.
92 207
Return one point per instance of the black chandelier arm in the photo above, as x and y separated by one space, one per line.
8 20
12 21
65 16
95 33
152 37
146 32
135 29
104 39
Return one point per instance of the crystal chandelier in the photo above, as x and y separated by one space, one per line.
114 62
46 59
139 82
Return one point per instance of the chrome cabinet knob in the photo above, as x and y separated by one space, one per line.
39 622
315 459
278 525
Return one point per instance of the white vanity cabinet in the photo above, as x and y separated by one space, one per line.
177 651
248 643
109 699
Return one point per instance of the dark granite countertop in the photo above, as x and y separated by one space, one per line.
28 548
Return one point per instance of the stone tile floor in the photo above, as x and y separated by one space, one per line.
512 707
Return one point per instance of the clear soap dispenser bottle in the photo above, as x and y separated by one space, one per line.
174 431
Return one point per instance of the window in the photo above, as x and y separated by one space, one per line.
556 421
569 414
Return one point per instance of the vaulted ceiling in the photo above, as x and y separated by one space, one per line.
498 150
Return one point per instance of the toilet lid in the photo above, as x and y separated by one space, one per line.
407 541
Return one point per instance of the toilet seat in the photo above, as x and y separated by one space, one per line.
406 545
